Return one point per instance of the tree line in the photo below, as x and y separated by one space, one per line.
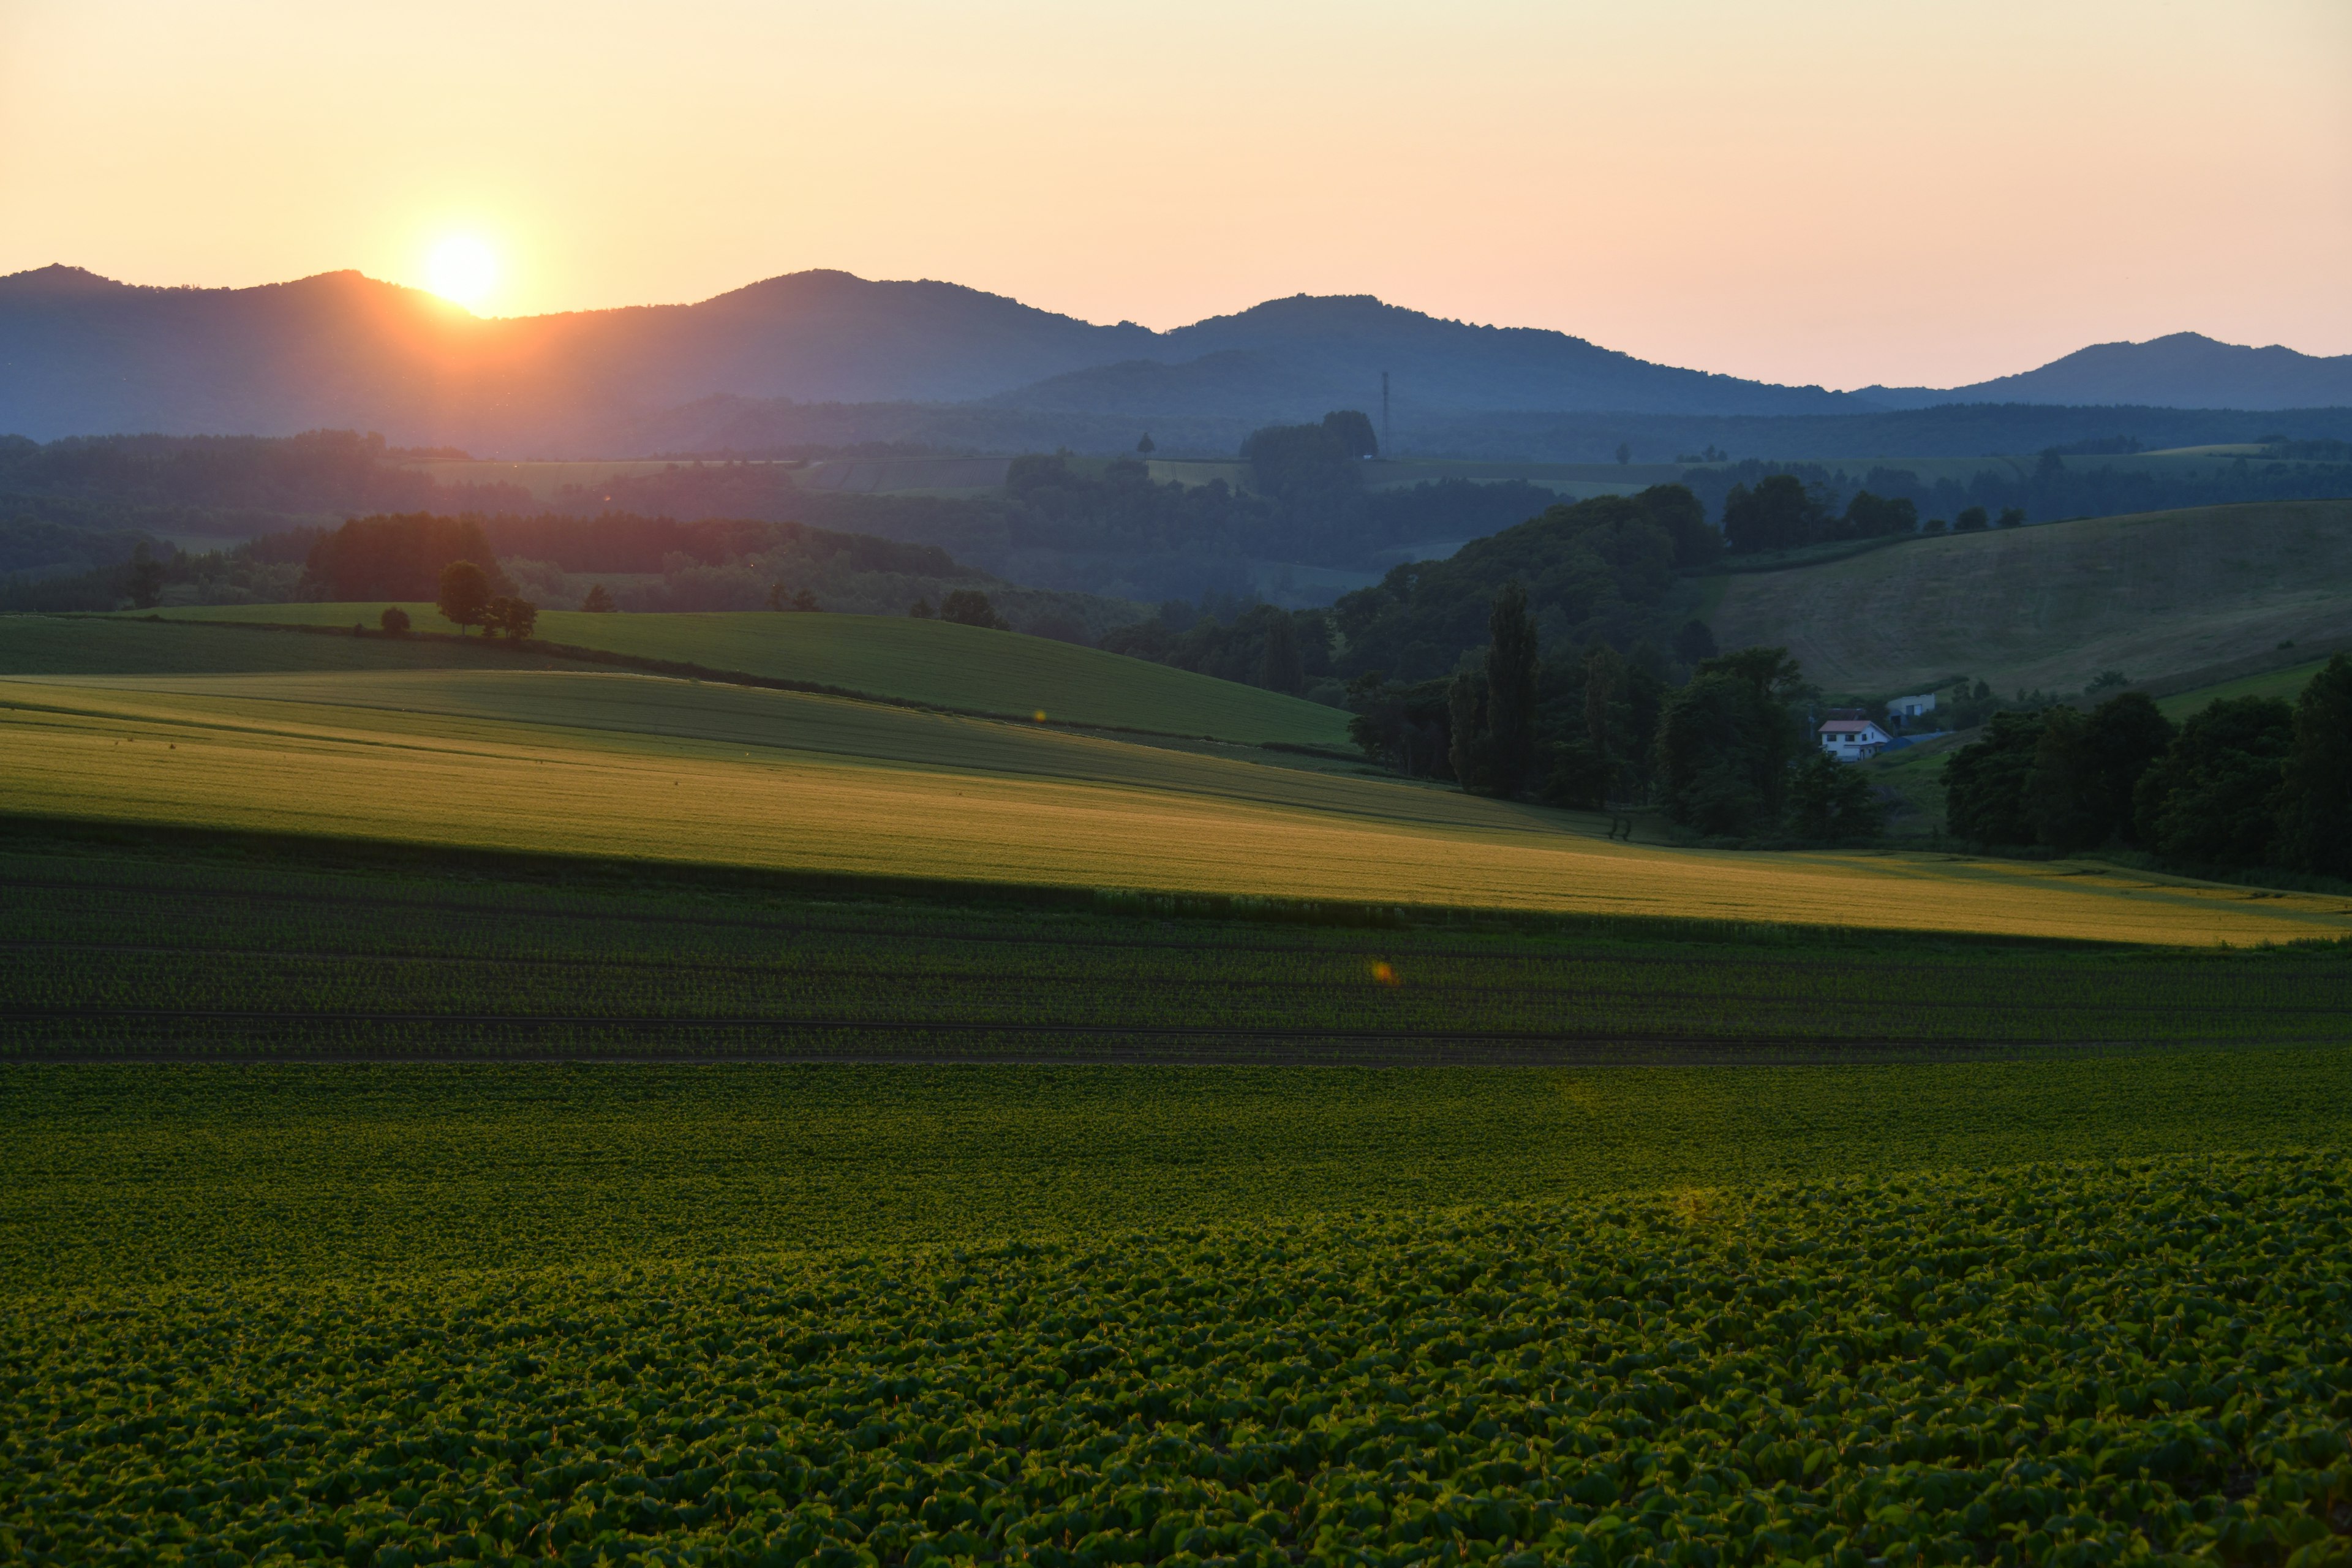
2244 783
1769 506
1727 752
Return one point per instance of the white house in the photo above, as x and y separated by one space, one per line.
1851 740
1907 710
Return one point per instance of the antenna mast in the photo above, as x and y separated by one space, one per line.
1384 414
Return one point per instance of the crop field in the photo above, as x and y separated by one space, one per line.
1173 1233
929 662
465 1107
664 771
2155 594
180 957
2060 1363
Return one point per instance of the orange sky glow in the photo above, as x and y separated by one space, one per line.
1823 191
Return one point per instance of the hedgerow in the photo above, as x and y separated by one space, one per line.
2056 1365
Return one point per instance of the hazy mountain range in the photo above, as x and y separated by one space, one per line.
81 354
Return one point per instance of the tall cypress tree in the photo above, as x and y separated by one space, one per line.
1281 667
1464 731
1511 687
2315 801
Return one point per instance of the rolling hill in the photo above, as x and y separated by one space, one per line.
1296 358
2049 607
929 662
635 768
2185 370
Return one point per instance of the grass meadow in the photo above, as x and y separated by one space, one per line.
2153 595
2284 685
929 662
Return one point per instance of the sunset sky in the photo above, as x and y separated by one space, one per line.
1818 191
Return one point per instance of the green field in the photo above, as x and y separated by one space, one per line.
930 662
1170 1315
197 950
2284 685
2156 594
613 766
462 1105
123 645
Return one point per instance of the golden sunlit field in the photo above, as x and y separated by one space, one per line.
640 768
930 662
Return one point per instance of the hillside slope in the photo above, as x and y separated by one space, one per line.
2156 593
628 767
930 662
2184 370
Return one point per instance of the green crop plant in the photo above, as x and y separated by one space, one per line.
2063 1363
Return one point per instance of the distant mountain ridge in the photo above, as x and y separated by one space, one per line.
2185 370
80 354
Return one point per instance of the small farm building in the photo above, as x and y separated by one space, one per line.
1908 711
1851 740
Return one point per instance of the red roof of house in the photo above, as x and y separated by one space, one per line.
1848 727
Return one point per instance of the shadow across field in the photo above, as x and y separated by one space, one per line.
184 947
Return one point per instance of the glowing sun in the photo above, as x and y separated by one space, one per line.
464 270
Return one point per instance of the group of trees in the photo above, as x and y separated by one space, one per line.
1726 753
2244 782
226 487
1306 502
466 594
964 607
1783 514
1784 505
1259 645
399 556
1296 462
1596 570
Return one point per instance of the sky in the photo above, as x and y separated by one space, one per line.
1907 192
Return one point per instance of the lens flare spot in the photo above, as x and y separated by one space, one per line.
1383 973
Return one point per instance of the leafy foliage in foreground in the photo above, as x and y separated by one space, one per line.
2056 1365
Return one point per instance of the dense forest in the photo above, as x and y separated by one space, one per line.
1717 743
2244 783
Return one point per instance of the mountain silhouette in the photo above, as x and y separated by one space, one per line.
2186 370
81 354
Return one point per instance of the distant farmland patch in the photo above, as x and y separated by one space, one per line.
2049 607
932 662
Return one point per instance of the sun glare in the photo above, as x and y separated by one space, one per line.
464 270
